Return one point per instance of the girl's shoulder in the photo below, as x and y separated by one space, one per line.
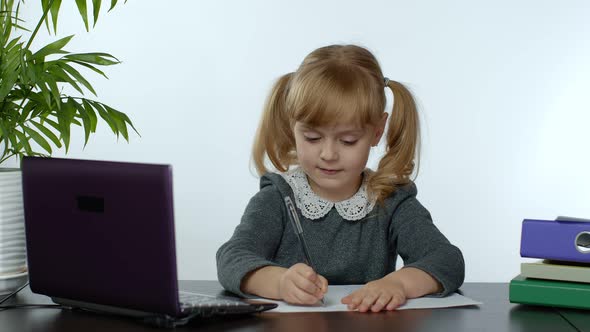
275 181
406 190
271 194
273 189
403 204
403 193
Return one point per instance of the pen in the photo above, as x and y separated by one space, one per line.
299 231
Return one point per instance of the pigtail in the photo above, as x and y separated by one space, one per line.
274 137
403 141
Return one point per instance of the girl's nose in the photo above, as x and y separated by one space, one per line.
329 152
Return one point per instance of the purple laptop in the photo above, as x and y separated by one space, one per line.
100 236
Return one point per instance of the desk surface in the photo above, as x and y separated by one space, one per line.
496 314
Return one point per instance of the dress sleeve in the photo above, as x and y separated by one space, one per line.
421 245
254 241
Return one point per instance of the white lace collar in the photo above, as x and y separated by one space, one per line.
314 207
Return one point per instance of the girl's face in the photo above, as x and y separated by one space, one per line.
334 157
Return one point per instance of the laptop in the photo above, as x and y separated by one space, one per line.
100 236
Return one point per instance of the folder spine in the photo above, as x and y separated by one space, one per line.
553 239
565 271
549 293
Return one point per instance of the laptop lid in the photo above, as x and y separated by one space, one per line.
101 232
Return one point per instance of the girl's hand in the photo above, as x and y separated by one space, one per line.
377 295
301 285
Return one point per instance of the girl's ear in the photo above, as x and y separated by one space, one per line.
380 129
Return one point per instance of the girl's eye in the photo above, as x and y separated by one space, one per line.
349 142
311 139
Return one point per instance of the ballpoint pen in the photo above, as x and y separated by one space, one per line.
299 231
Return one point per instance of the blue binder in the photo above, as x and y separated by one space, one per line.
562 239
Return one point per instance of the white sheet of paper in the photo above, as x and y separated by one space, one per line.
336 293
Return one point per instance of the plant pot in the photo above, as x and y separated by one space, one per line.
13 260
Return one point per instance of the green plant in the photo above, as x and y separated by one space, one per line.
33 104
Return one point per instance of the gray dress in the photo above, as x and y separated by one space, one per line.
343 251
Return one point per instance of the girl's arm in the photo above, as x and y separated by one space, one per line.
432 264
245 262
422 246
264 282
415 282
254 242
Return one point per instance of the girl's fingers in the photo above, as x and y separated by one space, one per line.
381 302
395 302
355 300
367 302
296 295
352 301
303 297
304 283
346 299
307 272
322 285
391 306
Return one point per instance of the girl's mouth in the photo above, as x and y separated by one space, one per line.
329 171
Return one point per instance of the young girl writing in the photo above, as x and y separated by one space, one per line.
317 130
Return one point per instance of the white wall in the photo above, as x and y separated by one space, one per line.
502 87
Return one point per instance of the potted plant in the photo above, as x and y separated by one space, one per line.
37 110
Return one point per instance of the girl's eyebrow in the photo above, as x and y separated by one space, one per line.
358 131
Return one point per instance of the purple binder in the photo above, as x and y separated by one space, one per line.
563 240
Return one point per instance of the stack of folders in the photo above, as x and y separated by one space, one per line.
562 277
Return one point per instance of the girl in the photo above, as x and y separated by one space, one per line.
318 127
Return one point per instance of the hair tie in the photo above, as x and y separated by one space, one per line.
386 81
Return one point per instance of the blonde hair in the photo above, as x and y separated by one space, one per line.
341 82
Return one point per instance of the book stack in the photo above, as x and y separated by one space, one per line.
562 277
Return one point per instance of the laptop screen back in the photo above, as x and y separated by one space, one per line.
101 232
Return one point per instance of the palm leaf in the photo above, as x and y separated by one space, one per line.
48 133
93 58
27 109
86 121
54 89
53 48
24 142
91 67
61 76
76 75
63 126
91 114
45 7
119 121
96 9
38 138
54 10
106 117
113 4
81 4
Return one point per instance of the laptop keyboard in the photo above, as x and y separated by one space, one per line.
192 300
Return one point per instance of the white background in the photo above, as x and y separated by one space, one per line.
502 88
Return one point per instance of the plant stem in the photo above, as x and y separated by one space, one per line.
45 12
6 158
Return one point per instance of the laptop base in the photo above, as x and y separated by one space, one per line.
163 320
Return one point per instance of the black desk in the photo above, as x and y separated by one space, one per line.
496 314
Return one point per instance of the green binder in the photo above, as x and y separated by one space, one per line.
549 293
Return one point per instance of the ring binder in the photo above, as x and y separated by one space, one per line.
564 240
